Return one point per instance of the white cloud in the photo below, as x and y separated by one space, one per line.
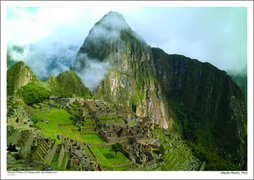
94 71
215 35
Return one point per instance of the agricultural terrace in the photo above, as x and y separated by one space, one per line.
60 116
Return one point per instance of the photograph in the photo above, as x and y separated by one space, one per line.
116 90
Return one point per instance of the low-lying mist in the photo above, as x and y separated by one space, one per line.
94 71
54 59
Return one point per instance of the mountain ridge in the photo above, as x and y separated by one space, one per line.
177 92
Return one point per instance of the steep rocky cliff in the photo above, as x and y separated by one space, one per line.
209 105
182 94
131 80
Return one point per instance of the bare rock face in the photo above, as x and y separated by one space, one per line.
130 80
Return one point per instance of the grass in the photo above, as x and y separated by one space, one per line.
63 162
91 138
133 123
75 105
102 117
89 120
53 163
110 155
101 157
75 127
60 116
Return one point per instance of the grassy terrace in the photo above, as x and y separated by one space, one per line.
77 112
133 123
37 106
91 138
111 156
87 115
104 161
60 116
88 122
75 105
87 127
107 158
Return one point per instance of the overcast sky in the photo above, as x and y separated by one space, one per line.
210 34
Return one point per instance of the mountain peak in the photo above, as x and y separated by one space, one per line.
109 27
113 21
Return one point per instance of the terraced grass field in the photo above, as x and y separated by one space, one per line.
91 138
60 116
111 156
104 161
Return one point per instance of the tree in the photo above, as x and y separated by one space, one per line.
117 147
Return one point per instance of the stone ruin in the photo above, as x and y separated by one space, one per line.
52 97
44 150
148 126
100 110
140 153
118 133
78 160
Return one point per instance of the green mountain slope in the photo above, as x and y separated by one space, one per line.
19 75
182 94
209 105
22 81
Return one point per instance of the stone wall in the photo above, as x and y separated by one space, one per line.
69 124
91 151
110 140
131 120
150 165
123 164
72 113
25 142
55 106
66 101
75 109
14 137
65 163
73 118
126 153
48 158
87 129
60 157
116 124
102 145
86 133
